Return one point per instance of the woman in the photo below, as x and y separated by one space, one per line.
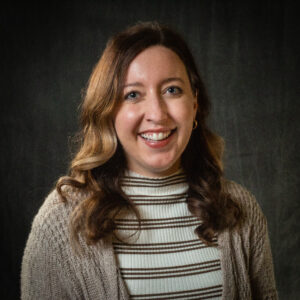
146 212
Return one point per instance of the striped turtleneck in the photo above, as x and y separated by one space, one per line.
162 257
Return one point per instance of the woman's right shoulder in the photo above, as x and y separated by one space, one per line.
48 253
54 214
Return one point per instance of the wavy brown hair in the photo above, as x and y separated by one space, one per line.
99 164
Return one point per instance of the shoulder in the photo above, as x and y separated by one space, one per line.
52 220
48 258
50 231
55 208
247 202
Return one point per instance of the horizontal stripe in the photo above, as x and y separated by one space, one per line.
207 290
153 199
140 203
127 227
217 295
157 248
152 247
156 220
143 196
154 181
160 244
172 267
133 184
171 270
217 268
159 252
158 200
204 296
160 248
154 223
143 223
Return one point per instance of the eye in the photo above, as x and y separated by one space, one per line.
132 95
174 90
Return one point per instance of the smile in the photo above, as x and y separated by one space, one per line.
156 136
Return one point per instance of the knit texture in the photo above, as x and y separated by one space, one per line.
164 258
51 269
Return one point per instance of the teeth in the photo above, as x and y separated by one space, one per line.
156 136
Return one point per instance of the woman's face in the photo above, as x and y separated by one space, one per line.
154 119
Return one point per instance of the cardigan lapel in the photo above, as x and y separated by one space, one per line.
229 282
236 284
116 285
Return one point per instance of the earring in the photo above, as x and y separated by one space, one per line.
195 124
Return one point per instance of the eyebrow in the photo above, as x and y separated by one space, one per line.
172 79
163 82
132 84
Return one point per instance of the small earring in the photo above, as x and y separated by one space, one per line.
195 124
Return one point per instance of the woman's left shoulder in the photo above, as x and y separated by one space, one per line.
245 199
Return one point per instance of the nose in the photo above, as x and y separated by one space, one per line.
156 109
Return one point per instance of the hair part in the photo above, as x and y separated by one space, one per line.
100 163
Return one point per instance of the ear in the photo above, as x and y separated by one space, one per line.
195 107
195 104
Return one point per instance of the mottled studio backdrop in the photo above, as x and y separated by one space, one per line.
248 53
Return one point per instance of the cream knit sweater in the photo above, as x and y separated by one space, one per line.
51 270
164 258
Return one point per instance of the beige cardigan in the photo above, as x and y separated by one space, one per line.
51 270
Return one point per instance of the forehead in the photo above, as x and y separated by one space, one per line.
156 62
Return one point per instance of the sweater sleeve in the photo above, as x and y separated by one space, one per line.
40 275
261 272
43 275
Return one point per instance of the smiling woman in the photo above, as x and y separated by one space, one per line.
155 118
145 212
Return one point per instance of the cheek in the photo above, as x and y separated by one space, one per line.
184 114
125 121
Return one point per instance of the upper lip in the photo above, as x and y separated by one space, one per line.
156 130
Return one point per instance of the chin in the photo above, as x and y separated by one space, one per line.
164 170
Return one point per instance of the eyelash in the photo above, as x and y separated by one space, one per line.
127 96
177 89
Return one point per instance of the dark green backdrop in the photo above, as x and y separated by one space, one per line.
248 54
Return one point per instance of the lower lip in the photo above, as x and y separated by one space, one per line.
158 144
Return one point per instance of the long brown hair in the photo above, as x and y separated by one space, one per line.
100 162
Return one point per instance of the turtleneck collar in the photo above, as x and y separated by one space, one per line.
136 184
129 173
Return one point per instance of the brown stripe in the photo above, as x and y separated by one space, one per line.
156 185
158 196
153 180
171 276
208 295
174 267
155 222
155 227
186 270
180 292
158 200
162 219
150 246
204 295
156 248
162 252
159 203
158 244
